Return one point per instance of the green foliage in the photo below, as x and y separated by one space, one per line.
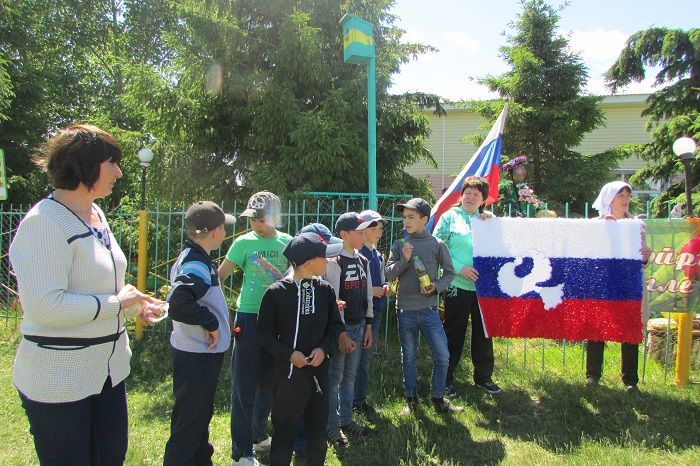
674 110
257 95
6 93
547 115
64 60
240 95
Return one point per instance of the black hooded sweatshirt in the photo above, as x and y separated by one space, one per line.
299 316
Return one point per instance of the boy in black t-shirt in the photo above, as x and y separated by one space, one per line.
349 275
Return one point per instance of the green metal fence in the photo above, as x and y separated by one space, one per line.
166 236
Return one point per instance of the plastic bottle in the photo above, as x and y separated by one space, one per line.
422 273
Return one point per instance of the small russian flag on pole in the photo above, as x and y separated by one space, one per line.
485 162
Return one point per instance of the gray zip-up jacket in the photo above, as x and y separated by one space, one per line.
435 255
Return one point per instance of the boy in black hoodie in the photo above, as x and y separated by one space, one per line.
299 324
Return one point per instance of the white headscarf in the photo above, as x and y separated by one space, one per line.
606 196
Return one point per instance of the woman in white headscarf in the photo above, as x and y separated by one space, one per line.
613 204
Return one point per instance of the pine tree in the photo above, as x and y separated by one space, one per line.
673 111
548 113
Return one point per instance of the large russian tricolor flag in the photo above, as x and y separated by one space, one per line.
571 279
485 162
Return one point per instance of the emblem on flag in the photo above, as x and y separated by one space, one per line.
571 279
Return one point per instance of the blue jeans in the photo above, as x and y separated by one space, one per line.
252 378
362 378
428 322
81 433
343 370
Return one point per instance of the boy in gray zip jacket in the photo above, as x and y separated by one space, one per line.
416 306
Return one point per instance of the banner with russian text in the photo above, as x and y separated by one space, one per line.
672 277
572 279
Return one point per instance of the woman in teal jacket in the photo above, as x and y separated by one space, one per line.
454 228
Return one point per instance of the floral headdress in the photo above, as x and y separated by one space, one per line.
520 160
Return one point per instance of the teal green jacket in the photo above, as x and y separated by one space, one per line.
455 229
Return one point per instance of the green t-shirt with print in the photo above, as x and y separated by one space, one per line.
255 254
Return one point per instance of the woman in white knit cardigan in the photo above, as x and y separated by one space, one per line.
74 354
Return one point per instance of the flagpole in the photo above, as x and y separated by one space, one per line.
359 48
372 134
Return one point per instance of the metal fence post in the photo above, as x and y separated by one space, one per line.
141 263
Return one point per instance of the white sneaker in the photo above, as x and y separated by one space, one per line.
247 461
263 445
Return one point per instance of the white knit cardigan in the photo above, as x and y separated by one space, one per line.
67 282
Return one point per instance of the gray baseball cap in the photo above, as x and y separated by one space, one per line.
263 204
371 216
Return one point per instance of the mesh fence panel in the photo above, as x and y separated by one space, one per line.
166 237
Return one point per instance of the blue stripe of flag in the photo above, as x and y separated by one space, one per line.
603 279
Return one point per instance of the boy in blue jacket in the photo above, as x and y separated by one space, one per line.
201 335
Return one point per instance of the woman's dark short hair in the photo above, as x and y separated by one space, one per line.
624 188
477 182
73 156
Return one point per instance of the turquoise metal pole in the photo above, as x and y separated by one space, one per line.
372 133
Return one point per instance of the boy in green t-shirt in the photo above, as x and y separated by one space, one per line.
259 254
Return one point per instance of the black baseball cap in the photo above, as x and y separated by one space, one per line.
418 204
205 216
307 246
351 221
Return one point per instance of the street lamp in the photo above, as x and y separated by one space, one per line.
145 158
684 148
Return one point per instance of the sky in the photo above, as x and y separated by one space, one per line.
468 34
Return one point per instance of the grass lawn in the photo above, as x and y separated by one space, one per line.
543 416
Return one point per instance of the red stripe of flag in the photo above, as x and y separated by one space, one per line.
573 319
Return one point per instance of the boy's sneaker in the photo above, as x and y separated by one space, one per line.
410 405
364 407
450 391
489 387
444 406
263 445
632 390
356 430
246 461
591 382
337 439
